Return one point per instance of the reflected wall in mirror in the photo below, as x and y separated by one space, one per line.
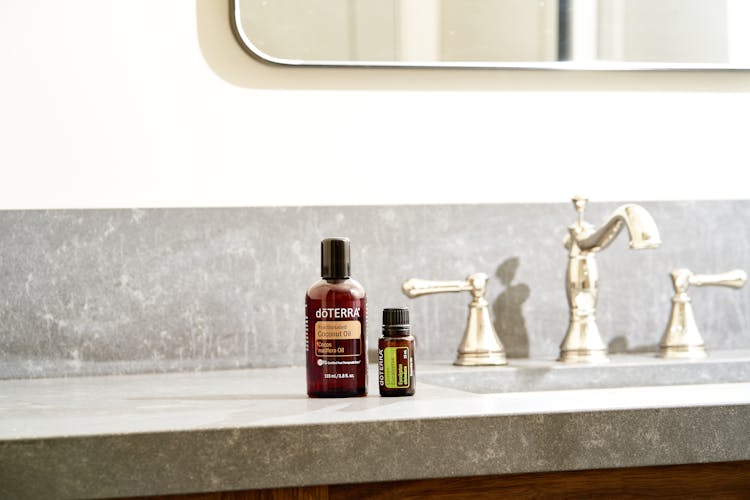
571 34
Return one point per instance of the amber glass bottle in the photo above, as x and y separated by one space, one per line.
336 321
396 354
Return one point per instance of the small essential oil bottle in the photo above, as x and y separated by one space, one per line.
336 320
396 354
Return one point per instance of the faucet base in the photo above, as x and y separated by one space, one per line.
583 344
480 346
683 352
481 359
584 356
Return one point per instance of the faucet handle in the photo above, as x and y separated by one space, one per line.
681 338
683 278
475 283
579 202
480 344
734 279
416 287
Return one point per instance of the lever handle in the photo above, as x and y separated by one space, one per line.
682 339
476 284
417 287
734 278
480 344
683 278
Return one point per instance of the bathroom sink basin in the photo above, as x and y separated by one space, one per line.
624 370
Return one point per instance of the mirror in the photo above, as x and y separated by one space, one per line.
553 34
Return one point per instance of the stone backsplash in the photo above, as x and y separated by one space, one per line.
149 290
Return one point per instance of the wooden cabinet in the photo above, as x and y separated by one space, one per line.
717 480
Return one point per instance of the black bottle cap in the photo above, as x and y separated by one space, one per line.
335 261
396 316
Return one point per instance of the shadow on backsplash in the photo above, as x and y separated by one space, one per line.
510 324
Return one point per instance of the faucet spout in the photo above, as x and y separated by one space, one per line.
583 343
641 229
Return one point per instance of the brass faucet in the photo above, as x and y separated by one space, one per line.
583 343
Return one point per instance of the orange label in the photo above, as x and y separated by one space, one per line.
338 338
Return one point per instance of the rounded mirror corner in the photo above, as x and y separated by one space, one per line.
248 46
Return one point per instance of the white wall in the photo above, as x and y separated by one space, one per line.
143 103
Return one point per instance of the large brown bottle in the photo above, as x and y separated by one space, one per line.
335 309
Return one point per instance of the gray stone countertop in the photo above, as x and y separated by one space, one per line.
131 435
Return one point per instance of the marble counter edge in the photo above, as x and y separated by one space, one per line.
203 460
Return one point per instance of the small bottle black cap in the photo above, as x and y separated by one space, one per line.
335 261
395 316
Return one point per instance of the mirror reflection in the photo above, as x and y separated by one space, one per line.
502 33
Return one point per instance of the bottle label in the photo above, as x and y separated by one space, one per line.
336 345
396 370
341 339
